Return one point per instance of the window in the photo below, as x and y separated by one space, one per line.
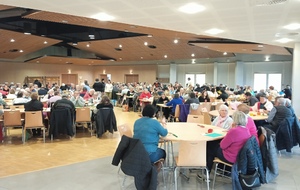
262 79
195 79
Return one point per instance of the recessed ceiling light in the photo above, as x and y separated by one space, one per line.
142 58
103 17
120 46
193 55
175 41
284 40
87 45
225 53
293 26
260 46
214 31
12 40
45 42
191 8
150 36
145 43
165 56
120 58
21 51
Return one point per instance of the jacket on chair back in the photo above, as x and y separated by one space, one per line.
105 121
136 163
288 134
249 158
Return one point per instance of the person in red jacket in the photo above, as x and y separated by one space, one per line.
146 94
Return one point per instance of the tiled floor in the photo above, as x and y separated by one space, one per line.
84 163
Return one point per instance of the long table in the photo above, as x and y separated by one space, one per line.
254 115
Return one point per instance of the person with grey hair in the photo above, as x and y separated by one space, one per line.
223 120
232 143
288 104
278 114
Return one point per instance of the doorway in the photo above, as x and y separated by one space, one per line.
103 76
131 78
69 78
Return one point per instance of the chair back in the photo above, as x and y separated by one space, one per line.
125 130
1 107
177 111
195 118
218 105
192 153
12 118
33 119
14 107
207 118
83 114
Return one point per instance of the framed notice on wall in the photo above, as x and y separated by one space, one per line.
108 76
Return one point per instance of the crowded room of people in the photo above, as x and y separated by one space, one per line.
138 95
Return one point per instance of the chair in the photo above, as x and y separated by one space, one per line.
13 119
218 105
191 155
83 115
125 130
105 121
14 107
207 118
34 119
221 171
195 118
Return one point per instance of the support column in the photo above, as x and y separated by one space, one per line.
173 73
296 79
239 73
215 73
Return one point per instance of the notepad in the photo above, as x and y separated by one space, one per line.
213 135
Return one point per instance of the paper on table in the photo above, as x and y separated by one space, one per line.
213 135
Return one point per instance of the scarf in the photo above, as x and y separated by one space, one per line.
221 121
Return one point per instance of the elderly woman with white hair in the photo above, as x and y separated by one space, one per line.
232 143
223 120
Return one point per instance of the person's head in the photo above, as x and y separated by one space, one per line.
146 90
148 111
163 95
92 91
12 91
176 96
281 102
271 87
56 93
105 100
76 93
248 95
243 108
288 102
95 95
51 92
34 96
65 96
263 98
97 80
192 95
239 118
20 94
223 111
204 93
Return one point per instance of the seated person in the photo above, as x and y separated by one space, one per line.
83 91
130 93
48 95
145 94
250 123
288 104
20 100
148 131
77 100
204 97
278 114
232 143
250 99
263 104
163 99
104 103
89 94
174 102
192 99
223 120
12 94
54 98
223 95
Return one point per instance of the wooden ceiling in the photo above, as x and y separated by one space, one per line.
132 50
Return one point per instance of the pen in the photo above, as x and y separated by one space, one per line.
174 135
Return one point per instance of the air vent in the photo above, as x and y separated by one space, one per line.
266 2
13 50
152 46
256 50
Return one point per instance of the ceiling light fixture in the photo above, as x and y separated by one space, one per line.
214 31
145 43
193 55
120 46
103 17
225 53
150 36
191 8
293 26
21 51
175 41
12 40
45 42
74 43
284 40
87 45
165 56
260 46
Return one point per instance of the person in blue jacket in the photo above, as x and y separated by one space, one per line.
174 102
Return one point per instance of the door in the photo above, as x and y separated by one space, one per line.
103 76
131 78
69 78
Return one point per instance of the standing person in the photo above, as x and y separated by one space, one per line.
287 92
86 85
97 85
148 130
34 105
102 89
108 89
